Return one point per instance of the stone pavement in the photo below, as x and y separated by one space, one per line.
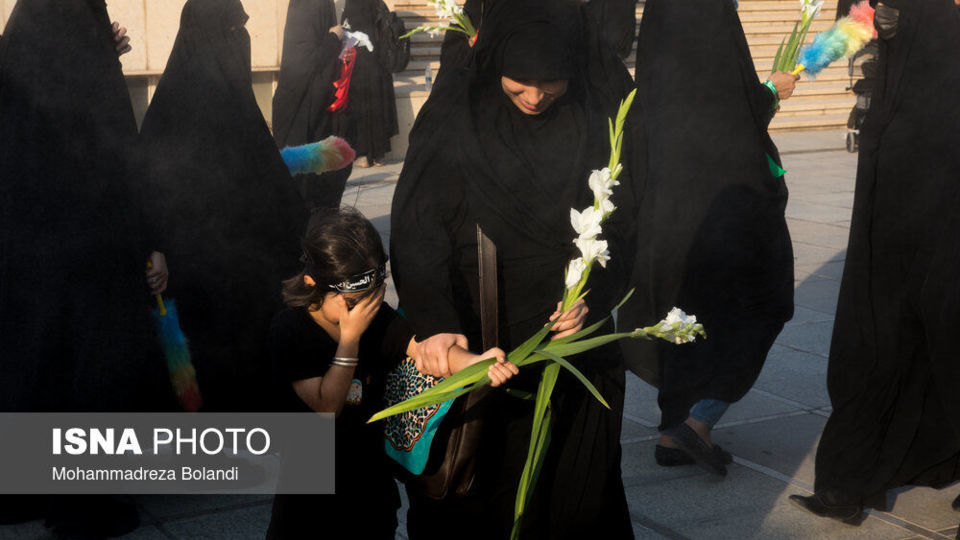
772 432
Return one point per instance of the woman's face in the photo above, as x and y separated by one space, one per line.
533 97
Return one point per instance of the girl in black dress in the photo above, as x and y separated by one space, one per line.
332 348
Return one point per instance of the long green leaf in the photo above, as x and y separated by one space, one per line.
778 59
582 333
579 375
545 389
570 349
624 301
416 402
542 443
792 42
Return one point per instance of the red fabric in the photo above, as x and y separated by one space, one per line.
342 84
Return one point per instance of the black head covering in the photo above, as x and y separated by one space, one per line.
229 208
712 237
893 371
521 174
361 14
74 329
308 68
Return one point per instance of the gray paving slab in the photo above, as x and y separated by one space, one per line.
797 376
786 445
167 507
745 504
831 270
248 523
643 406
802 315
31 529
929 508
808 337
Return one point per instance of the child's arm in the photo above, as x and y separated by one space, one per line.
459 358
328 393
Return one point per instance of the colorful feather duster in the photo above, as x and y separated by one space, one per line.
330 154
182 374
847 36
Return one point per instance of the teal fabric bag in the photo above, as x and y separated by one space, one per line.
408 435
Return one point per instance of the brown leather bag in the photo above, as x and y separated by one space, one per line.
452 470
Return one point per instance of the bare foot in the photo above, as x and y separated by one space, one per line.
703 430
361 162
666 441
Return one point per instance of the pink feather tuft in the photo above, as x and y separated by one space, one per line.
863 14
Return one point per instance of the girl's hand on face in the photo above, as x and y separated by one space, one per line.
354 322
571 321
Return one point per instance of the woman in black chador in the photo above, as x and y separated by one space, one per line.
230 213
308 69
508 143
712 235
372 103
893 371
75 331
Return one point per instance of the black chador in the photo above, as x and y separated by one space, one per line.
713 239
372 103
475 158
308 68
893 370
230 213
75 331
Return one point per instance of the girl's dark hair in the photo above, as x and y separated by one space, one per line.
338 244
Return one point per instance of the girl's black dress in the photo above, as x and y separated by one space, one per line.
366 500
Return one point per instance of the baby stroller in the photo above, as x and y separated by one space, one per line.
863 89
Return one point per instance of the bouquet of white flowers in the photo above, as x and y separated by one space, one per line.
677 327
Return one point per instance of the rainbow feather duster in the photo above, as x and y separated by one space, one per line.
182 374
847 36
330 154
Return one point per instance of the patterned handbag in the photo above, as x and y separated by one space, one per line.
409 435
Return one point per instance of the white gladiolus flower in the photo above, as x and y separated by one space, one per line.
811 8
593 249
586 223
677 315
447 9
606 206
601 183
575 272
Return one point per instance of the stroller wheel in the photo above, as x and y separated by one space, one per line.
853 143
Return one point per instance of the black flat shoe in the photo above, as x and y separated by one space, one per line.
847 513
674 457
956 504
702 453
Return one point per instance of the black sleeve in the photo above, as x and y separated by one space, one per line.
397 334
421 247
763 103
295 358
